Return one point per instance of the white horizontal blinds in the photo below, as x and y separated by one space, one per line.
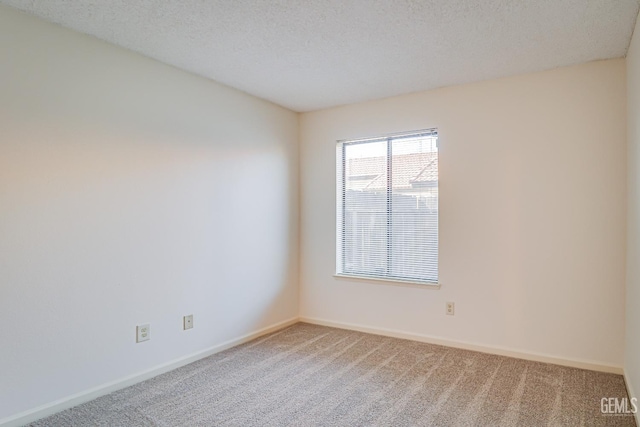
364 204
387 215
414 208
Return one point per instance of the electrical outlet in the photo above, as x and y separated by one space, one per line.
143 332
187 322
451 308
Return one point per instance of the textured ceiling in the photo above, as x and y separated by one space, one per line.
307 55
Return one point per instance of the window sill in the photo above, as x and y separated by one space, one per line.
394 282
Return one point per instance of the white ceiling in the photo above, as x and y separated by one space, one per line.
312 54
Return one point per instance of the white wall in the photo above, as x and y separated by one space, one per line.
632 342
131 192
532 214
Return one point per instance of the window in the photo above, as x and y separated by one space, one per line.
387 207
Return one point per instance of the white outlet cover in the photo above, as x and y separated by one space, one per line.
143 332
450 308
188 322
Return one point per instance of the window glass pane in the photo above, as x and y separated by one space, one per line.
365 208
414 209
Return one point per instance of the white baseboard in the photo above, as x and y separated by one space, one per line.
51 408
93 393
632 394
501 351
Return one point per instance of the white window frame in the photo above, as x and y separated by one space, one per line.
340 215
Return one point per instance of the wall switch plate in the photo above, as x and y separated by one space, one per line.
143 332
188 322
451 308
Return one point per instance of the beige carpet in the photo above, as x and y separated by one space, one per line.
309 375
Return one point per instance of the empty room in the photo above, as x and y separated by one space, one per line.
319 213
